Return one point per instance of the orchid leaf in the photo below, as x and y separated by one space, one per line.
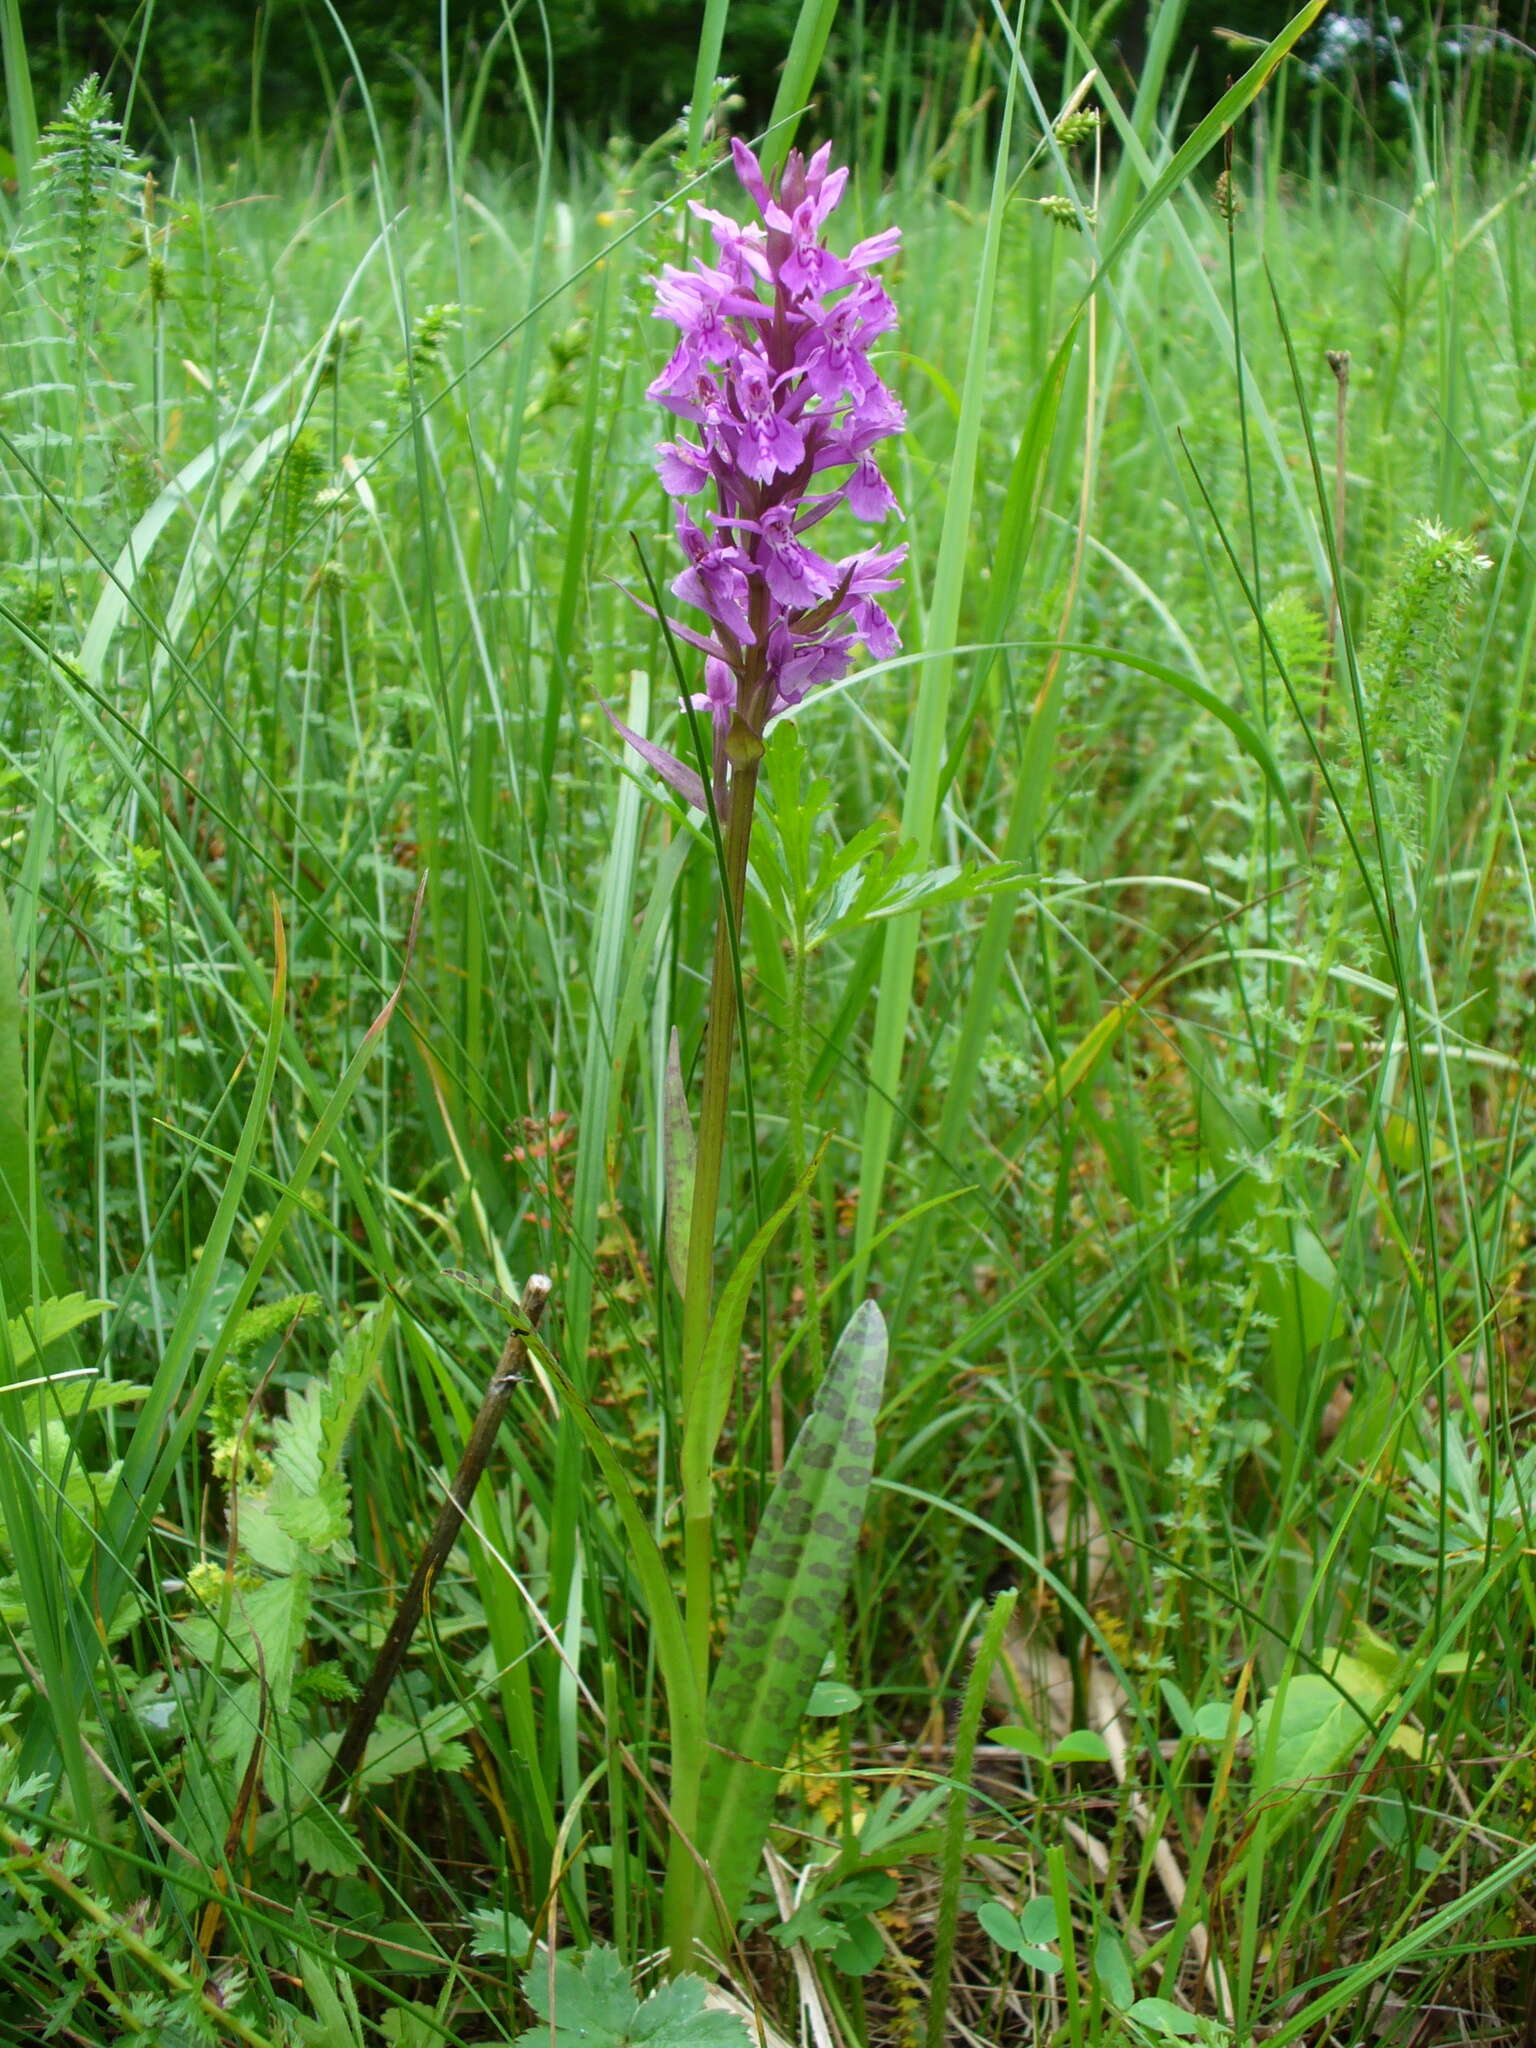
680 1159
794 1585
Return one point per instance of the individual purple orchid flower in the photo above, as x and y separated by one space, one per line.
772 368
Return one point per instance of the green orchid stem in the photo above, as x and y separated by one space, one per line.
698 1294
805 1227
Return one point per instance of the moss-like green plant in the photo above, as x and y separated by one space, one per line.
1406 667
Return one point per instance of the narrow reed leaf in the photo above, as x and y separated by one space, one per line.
952 1865
31 1265
797 80
926 750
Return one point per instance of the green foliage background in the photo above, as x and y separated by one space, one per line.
237 69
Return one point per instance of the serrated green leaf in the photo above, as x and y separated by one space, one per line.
397 1746
583 2000
499 1934
676 2017
811 1925
277 1615
316 1520
788 1606
350 1375
322 1842
84 1394
297 1437
38 1327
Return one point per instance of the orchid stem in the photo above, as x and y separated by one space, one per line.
805 1222
714 1109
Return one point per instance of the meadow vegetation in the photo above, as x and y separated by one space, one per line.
1136 988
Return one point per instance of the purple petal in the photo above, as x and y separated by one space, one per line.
869 495
874 249
750 172
682 468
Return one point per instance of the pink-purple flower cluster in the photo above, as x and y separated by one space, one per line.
772 371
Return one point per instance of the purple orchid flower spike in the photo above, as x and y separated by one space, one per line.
772 369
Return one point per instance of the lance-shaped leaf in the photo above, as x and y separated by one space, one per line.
672 771
794 1585
680 1156
707 1394
29 1243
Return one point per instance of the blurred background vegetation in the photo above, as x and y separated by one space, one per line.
242 74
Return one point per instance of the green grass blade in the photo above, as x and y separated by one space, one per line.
927 750
18 95
31 1257
813 25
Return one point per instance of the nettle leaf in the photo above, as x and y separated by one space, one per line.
88 1395
588 2002
794 1585
318 1840
837 1922
321 1520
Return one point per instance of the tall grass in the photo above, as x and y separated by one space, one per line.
1191 1166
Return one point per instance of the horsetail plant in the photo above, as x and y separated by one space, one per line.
772 370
